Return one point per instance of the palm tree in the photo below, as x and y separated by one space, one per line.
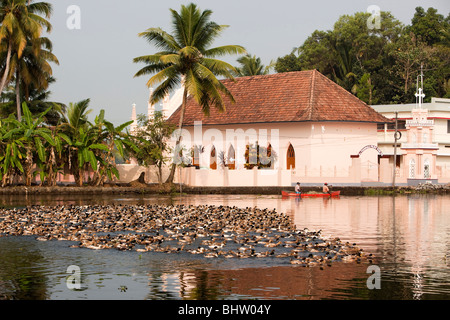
32 78
251 66
187 59
33 68
21 21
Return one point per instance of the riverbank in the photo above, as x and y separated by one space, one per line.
173 189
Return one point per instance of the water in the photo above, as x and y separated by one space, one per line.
409 235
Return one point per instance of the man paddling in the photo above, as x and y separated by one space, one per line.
297 188
325 189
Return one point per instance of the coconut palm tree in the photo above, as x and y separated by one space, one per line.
20 21
33 76
186 58
251 66
33 69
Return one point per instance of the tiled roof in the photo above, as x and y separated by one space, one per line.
283 97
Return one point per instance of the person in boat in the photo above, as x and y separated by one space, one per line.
297 188
326 189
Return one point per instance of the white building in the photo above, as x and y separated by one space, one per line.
429 133
167 107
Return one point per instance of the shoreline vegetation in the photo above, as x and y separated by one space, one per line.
135 187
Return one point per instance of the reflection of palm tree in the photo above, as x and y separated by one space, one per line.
207 287
21 278
156 290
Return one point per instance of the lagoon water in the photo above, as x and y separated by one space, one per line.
409 236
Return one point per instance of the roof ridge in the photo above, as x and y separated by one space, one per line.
279 74
311 94
348 92
341 88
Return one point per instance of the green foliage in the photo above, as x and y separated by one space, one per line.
379 65
152 141
25 52
187 58
251 66
28 147
259 156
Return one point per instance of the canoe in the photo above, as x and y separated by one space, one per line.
304 195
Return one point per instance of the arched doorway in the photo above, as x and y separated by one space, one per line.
426 169
196 156
213 159
290 158
231 158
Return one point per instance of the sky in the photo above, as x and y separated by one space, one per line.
96 45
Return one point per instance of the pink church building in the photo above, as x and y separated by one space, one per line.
308 129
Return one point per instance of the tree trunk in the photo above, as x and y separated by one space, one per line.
19 110
180 126
160 173
80 177
5 74
5 179
28 167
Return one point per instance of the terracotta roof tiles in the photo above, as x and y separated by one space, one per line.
283 97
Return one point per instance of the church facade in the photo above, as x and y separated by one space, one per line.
302 127
282 129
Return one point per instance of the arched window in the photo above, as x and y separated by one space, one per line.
231 158
196 156
290 157
213 159
426 169
270 156
412 169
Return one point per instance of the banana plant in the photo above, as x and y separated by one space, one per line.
30 135
83 146
116 142
10 146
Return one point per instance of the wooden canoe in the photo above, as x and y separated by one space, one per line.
304 195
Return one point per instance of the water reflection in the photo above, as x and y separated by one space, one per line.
408 234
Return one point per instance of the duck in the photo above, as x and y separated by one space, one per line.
147 227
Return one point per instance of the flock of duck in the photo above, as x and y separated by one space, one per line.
211 231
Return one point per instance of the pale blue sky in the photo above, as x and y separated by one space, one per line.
96 61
